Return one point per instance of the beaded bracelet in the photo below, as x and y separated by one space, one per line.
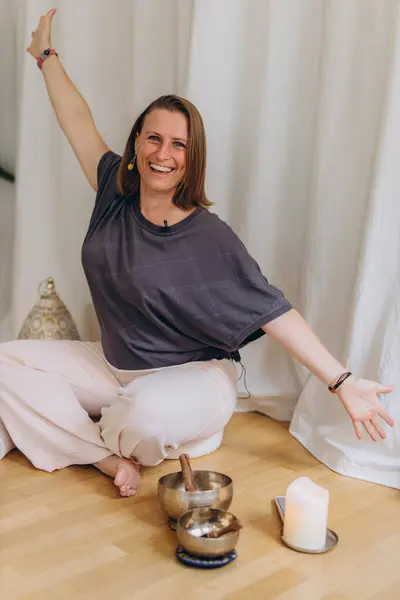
48 52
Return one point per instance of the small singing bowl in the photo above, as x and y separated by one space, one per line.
214 490
196 523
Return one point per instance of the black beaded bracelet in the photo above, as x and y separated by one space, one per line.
342 378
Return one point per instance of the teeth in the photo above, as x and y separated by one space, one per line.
160 168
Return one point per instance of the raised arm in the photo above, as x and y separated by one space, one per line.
72 111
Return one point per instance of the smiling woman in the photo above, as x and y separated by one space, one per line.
161 164
166 150
175 304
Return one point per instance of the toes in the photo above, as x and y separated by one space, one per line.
128 480
127 491
121 477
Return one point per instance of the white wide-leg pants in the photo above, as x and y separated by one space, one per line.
49 390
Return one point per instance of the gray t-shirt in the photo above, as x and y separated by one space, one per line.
167 296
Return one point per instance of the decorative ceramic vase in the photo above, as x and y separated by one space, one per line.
49 319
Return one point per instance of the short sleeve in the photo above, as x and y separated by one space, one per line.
234 299
107 171
255 301
264 302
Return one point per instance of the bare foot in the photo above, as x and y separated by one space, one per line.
125 472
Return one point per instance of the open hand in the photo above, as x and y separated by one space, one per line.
360 399
41 37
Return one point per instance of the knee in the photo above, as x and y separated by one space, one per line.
130 432
162 410
126 414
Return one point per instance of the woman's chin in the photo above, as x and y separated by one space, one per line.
161 187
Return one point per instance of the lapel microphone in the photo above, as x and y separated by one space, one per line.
165 224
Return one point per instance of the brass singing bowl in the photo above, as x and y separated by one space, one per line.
213 490
195 523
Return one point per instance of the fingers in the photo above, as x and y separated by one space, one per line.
44 23
385 416
370 429
358 429
373 427
378 427
49 15
384 389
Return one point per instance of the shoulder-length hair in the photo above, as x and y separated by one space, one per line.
190 192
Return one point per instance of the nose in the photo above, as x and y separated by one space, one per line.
163 150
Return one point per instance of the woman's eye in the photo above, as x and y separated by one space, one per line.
179 145
154 138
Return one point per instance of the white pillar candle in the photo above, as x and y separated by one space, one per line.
306 514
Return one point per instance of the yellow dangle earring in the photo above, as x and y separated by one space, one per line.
131 165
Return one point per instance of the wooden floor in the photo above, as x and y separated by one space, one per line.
68 535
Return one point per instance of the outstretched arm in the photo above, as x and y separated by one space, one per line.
359 396
72 111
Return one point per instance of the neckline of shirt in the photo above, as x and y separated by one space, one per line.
161 229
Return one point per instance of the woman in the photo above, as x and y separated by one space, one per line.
176 294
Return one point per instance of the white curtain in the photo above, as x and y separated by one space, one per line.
8 122
301 103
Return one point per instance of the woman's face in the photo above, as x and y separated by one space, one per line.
161 150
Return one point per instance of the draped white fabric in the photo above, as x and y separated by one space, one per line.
7 205
301 103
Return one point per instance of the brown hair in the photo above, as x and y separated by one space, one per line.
190 192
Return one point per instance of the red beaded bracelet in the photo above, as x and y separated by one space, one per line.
48 52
